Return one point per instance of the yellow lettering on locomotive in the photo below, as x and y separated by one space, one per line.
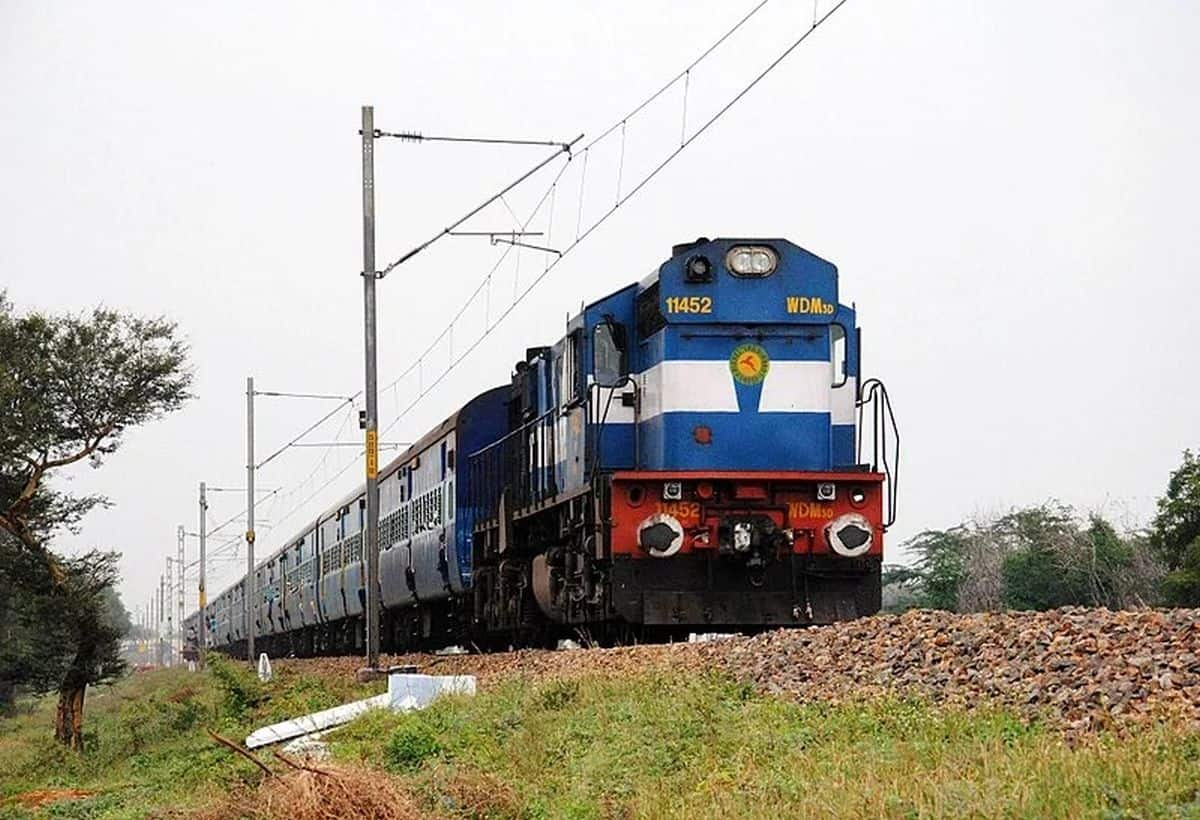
805 509
810 304
689 304
683 510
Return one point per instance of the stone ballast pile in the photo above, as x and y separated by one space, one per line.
1081 669
1085 668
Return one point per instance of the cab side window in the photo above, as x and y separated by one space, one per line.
837 348
607 357
569 381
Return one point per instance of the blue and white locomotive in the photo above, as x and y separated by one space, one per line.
698 452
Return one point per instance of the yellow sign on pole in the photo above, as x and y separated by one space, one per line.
372 453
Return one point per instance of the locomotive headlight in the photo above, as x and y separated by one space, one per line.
672 491
660 535
850 535
751 260
826 491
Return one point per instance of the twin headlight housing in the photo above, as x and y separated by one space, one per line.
746 261
751 261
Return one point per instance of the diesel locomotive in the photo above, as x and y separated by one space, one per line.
697 453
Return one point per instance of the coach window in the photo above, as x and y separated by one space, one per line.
328 533
387 493
838 352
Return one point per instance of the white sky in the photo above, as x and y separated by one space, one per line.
1008 189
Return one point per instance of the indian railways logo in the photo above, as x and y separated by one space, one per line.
749 364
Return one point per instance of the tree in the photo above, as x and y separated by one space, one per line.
70 387
1038 557
1175 533
92 628
1037 549
941 563
902 586
25 588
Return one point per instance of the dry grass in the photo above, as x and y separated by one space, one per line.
327 793
41 798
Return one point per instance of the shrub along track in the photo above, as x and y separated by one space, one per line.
1080 669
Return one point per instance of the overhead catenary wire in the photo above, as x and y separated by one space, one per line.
280 394
633 192
345 401
550 192
417 136
566 148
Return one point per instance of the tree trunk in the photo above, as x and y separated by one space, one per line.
68 724
8 696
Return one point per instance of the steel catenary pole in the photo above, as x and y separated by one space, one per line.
250 593
203 557
371 421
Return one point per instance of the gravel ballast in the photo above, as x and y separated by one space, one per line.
1081 669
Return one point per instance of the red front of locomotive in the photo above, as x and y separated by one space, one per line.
740 548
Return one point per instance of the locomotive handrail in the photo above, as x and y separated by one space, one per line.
873 398
523 461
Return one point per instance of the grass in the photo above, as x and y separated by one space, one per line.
706 747
145 745
647 746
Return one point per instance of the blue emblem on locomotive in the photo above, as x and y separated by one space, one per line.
689 456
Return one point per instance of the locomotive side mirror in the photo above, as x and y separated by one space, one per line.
608 353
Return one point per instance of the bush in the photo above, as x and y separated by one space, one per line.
411 744
1038 558
557 694
240 688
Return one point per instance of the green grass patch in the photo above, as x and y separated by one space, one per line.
655 746
145 745
646 746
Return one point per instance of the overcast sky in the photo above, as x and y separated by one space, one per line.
1008 190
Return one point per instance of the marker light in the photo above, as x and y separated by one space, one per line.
751 260
699 269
